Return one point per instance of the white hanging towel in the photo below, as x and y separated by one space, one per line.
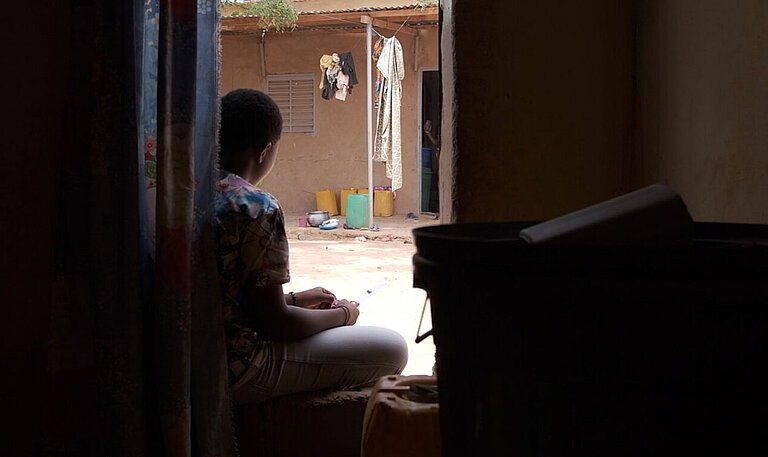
387 147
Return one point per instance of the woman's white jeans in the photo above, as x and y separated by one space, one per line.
340 357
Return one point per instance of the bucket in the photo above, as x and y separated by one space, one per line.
357 210
326 201
426 157
343 197
392 410
303 221
597 350
383 203
426 188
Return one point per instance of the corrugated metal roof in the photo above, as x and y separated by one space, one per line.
351 6
364 9
310 7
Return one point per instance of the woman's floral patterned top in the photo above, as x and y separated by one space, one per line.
253 251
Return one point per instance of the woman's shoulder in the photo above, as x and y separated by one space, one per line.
237 196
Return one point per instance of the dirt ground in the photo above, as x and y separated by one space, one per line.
341 262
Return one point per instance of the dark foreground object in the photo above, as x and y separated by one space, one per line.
577 350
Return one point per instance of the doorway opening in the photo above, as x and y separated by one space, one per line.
429 85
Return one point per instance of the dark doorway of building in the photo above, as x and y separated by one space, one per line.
430 140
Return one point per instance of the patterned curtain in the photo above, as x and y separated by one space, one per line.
137 364
193 387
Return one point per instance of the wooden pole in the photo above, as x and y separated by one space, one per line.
416 52
263 57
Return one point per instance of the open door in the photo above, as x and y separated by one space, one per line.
430 141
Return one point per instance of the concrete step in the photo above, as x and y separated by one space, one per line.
313 424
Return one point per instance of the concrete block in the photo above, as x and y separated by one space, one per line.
316 424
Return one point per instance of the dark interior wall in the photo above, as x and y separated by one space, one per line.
430 104
558 106
36 45
543 106
544 101
702 105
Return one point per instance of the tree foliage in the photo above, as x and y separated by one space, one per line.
273 14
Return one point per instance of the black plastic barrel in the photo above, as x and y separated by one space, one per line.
588 350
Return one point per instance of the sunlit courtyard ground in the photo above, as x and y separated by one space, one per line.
351 268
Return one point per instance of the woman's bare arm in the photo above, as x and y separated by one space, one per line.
276 320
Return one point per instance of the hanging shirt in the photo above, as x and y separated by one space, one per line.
387 147
342 84
348 68
331 74
375 53
325 62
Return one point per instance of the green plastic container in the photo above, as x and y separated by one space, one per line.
426 187
357 210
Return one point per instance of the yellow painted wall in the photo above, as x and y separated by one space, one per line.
543 106
703 105
335 156
558 108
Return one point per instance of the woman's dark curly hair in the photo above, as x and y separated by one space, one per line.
248 118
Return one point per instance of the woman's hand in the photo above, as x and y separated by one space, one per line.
350 310
317 298
430 135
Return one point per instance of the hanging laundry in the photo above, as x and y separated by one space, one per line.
342 82
387 146
325 62
331 74
348 68
375 53
327 90
338 75
334 68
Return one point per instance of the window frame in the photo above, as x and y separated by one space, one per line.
288 126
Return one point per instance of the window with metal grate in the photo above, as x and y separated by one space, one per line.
294 93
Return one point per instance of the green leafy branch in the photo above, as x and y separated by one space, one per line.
273 14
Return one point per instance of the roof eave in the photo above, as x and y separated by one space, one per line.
315 19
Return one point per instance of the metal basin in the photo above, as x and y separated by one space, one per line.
318 217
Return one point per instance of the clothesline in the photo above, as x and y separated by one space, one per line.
388 147
401 25
373 29
358 44
352 22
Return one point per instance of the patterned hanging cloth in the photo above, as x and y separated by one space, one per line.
142 369
387 146
375 53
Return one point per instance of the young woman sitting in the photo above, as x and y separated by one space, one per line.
279 343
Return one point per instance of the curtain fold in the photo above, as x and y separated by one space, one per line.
137 361
95 345
175 199
212 407
193 392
